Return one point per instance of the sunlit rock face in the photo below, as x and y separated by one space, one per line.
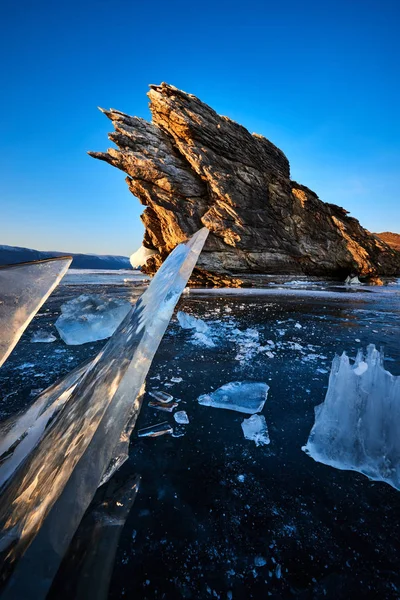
192 167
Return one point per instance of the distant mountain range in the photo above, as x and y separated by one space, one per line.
10 255
392 239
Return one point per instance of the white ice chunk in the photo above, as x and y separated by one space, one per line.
255 428
41 336
243 396
89 318
352 280
187 321
181 417
141 256
357 426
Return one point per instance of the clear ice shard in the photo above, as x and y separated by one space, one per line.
156 430
89 318
166 406
161 396
21 433
181 417
24 288
44 337
243 396
44 500
255 429
357 426
87 567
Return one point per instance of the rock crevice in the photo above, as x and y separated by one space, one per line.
192 167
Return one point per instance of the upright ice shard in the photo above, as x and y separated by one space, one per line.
43 503
357 426
24 288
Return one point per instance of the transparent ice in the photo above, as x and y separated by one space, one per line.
41 336
187 321
156 430
24 288
89 318
181 417
243 396
357 426
40 506
255 429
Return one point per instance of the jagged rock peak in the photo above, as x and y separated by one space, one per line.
191 167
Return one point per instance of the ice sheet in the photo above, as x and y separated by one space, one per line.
40 507
24 288
357 426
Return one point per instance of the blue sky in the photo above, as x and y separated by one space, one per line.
319 79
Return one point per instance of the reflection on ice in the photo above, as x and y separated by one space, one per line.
86 569
357 426
243 396
40 506
24 288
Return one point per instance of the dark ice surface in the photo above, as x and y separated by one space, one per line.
216 516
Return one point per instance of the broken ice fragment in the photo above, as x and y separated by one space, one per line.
243 396
41 336
260 561
89 318
156 430
357 426
24 288
176 379
181 417
187 321
167 406
161 396
255 429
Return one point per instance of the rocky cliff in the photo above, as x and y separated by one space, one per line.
192 167
392 239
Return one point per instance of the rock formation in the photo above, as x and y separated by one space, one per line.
392 239
192 167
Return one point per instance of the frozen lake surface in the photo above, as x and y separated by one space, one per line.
217 516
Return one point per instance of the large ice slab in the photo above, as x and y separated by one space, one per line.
357 426
46 497
24 288
243 396
89 318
